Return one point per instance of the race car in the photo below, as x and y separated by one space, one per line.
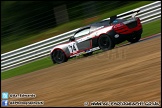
102 35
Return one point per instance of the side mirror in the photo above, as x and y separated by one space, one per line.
72 38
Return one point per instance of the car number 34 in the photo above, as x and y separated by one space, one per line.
73 47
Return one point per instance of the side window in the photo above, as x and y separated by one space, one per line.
82 33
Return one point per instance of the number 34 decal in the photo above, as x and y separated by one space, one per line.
73 48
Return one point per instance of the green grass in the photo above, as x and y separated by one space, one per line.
151 28
8 46
27 68
148 29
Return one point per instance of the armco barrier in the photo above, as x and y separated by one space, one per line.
42 49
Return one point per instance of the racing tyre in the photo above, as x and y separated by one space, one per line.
134 38
105 42
58 56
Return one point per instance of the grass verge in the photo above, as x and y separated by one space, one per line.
148 29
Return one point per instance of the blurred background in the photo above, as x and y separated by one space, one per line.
27 22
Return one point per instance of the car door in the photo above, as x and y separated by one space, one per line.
82 39
81 42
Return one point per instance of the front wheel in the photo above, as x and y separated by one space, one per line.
58 56
105 42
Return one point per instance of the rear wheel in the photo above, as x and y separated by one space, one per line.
58 56
105 42
134 38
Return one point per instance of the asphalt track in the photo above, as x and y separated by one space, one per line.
128 73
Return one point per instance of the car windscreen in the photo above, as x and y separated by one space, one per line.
98 25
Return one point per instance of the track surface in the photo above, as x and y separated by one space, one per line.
129 73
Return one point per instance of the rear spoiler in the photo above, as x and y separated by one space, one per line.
134 12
